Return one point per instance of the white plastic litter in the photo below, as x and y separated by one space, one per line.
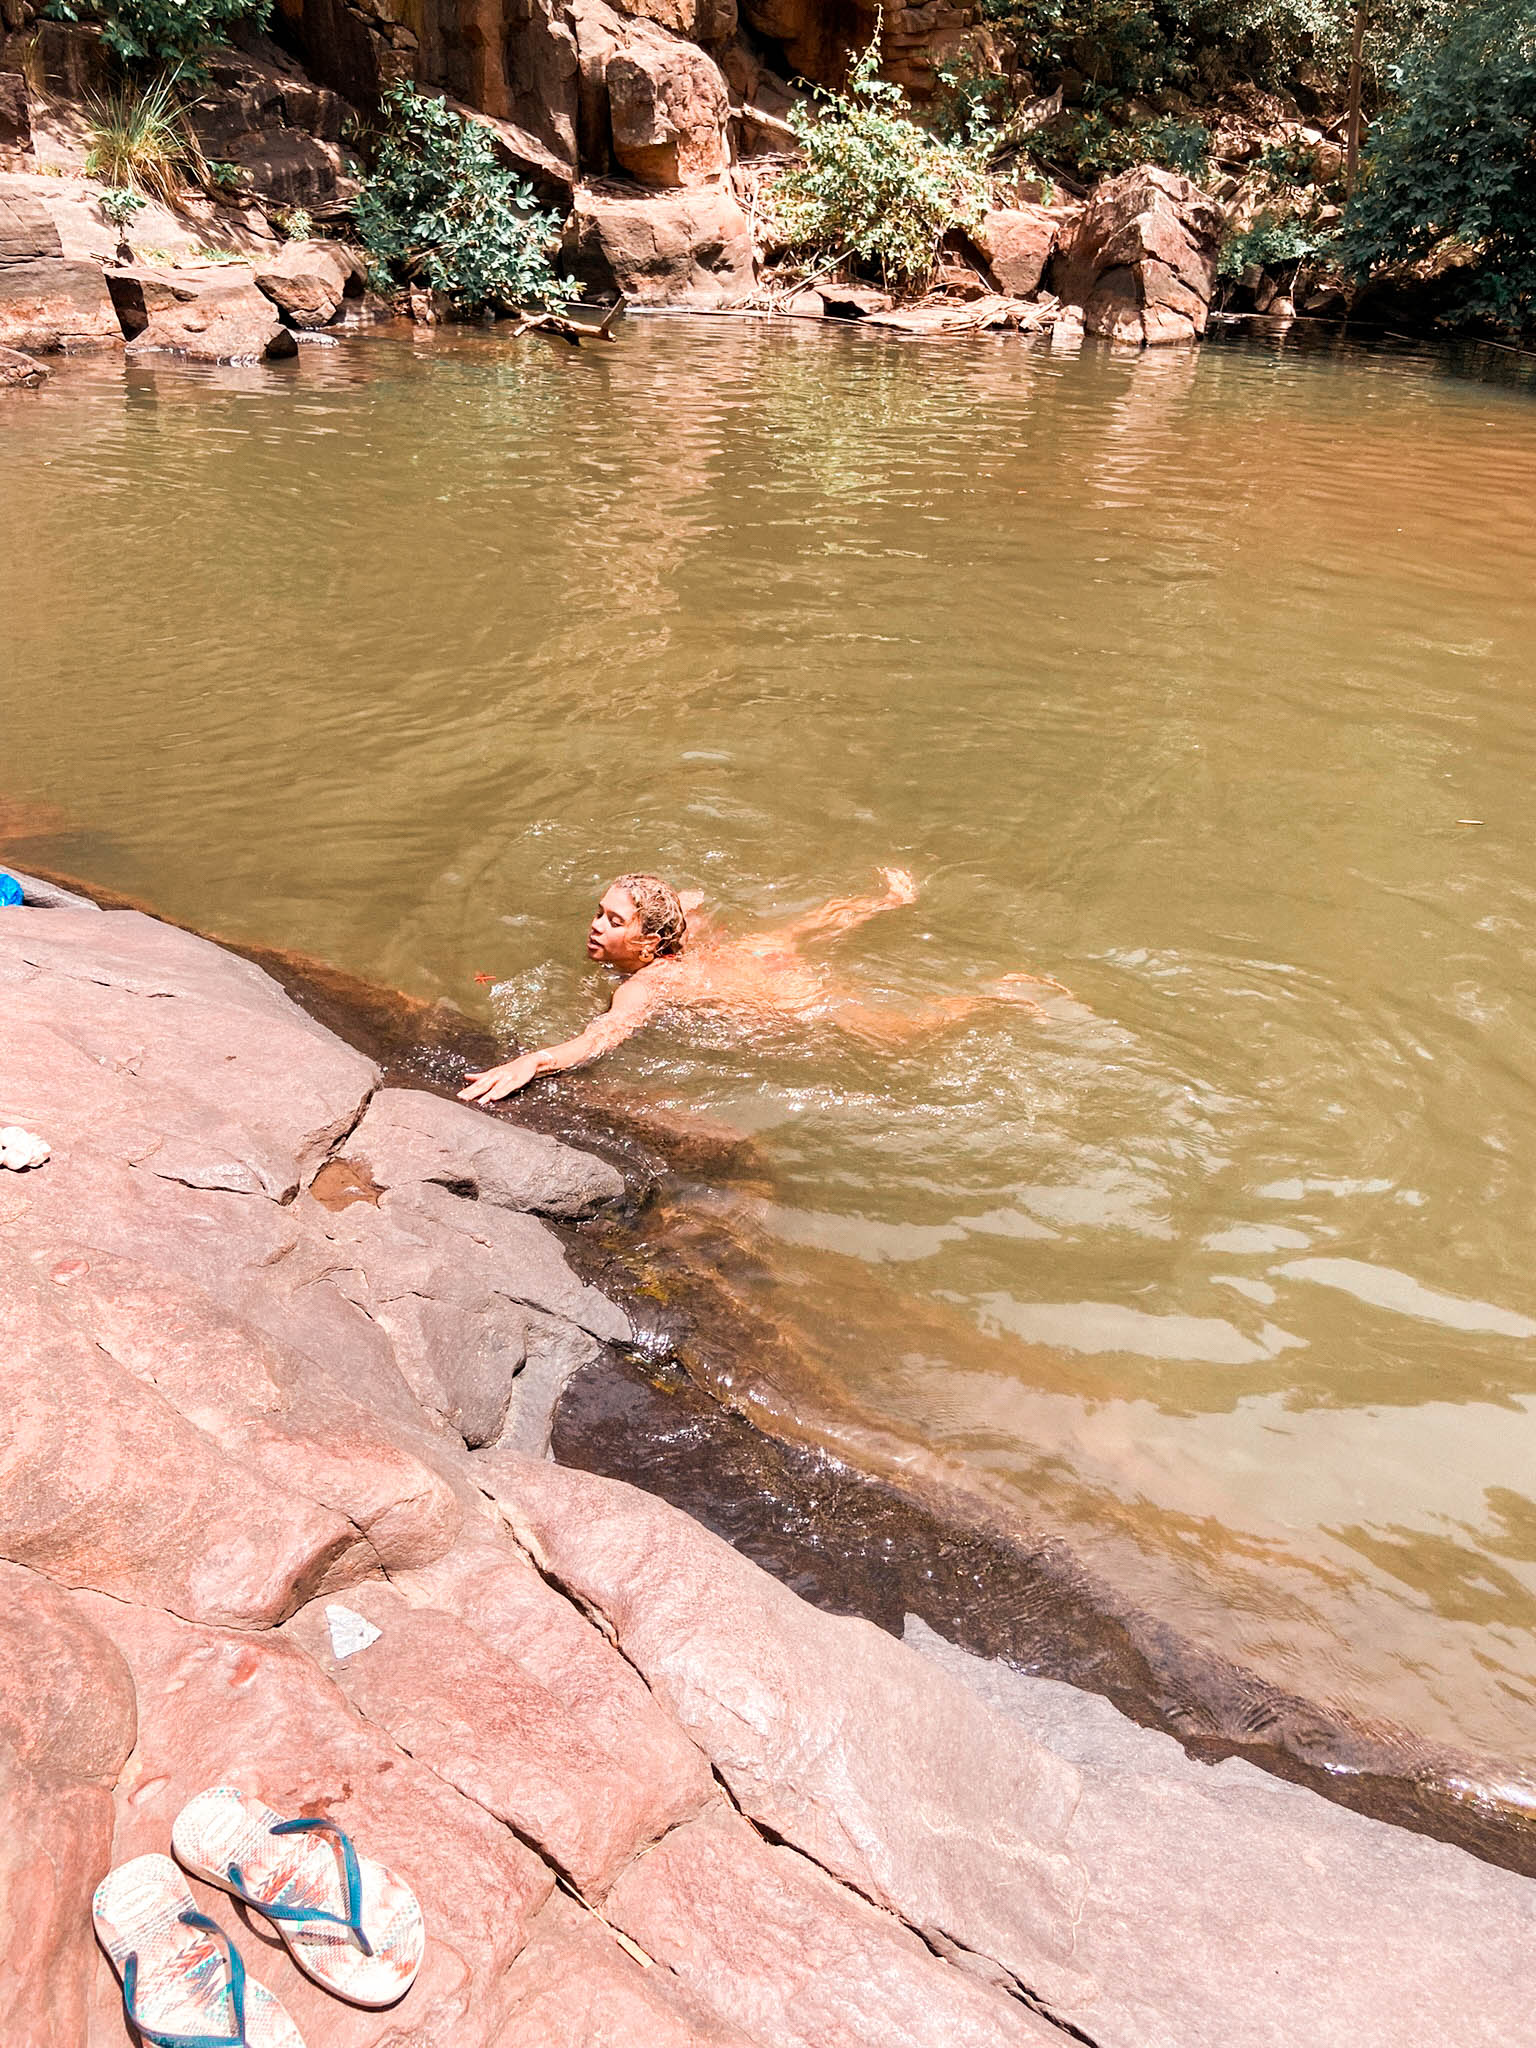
349 1632
19 1149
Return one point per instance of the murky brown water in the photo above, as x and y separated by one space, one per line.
1179 678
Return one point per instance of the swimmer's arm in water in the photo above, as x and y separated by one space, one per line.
632 1003
844 912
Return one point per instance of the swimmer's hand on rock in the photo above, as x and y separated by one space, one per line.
495 1083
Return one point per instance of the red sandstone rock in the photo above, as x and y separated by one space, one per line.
273 1410
308 280
702 21
475 1717
821 1728
798 1961
1142 259
423 1244
574 1987
47 302
1017 242
103 1484
495 1591
853 301
669 107
247 1093
67 1723
222 324
1278 1916
672 249
408 1137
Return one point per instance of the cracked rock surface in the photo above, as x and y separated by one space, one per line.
279 1346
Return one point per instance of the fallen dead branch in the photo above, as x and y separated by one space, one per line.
567 329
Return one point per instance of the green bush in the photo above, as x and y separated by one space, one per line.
871 185
1268 241
1457 161
162 31
1142 47
438 210
1098 145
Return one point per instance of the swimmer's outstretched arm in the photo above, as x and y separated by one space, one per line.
632 1003
844 912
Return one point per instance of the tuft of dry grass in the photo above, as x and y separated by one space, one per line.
142 139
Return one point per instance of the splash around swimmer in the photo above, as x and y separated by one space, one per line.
669 956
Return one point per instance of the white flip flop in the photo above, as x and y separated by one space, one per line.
184 1985
349 1923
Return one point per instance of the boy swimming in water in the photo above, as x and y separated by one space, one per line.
643 931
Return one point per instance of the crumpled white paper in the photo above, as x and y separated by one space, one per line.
349 1632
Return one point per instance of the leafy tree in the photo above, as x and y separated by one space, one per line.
1457 160
439 210
1143 47
162 31
871 184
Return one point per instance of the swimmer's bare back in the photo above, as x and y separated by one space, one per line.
764 975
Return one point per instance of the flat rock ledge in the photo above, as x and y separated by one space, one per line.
280 1342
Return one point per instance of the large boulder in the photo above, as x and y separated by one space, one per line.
667 249
1141 262
215 323
669 108
46 301
1017 243
650 101
308 280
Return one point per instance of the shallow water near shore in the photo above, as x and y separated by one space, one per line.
1203 682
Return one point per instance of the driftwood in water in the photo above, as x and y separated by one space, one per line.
573 331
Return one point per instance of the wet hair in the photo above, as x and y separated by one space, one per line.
661 914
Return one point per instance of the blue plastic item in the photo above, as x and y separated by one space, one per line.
10 890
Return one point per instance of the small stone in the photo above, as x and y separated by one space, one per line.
19 369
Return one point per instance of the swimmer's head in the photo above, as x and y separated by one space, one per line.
638 920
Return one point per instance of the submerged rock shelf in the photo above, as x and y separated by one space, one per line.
281 1338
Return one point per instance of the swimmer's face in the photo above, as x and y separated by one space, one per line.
615 937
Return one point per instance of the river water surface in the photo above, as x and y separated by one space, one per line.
1204 682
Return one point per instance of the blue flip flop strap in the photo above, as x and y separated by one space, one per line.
301 1916
156 2035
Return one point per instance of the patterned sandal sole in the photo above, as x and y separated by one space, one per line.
228 1838
181 1977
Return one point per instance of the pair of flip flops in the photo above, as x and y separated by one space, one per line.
349 1923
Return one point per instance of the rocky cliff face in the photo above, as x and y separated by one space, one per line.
617 107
